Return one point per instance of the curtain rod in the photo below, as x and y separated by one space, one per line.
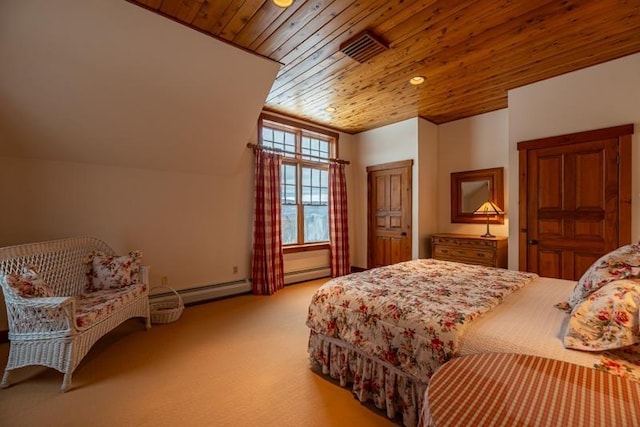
255 147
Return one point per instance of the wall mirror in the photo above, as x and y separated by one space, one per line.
470 189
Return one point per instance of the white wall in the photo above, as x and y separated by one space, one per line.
427 189
478 142
601 96
192 228
110 83
411 139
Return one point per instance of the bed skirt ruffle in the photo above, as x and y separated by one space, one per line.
371 379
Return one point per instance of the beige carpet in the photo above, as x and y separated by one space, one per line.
241 361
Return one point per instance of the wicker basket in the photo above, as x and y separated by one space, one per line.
166 311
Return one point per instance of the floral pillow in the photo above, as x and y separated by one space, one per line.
622 263
113 272
28 284
607 319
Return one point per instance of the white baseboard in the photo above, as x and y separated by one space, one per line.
206 293
302 275
220 290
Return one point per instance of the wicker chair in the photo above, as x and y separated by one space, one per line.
44 331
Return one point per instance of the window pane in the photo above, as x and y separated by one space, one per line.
288 192
306 195
316 224
279 139
289 224
315 147
314 186
324 196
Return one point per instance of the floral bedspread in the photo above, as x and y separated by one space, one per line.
624 362
410 315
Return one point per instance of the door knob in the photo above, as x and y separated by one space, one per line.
532 242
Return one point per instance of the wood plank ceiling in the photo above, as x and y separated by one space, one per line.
469 51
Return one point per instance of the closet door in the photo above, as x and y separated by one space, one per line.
574 201
389 213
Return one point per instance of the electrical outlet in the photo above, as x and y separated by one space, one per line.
235 269
164 280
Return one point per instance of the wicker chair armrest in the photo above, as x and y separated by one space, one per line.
42 301
144 274
41 316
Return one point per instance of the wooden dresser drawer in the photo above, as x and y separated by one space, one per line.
467 254
475 243
470 249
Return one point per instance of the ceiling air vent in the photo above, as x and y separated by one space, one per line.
363 47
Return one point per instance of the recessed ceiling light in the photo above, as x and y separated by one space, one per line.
417 80
330 109
282 3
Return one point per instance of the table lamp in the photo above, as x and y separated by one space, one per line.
488 209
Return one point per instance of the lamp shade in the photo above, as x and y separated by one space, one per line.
488 208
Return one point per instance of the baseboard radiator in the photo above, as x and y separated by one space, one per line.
308 274
206 293
211 292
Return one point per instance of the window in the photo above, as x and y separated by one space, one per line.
305 178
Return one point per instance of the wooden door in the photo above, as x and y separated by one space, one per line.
389 213
575 200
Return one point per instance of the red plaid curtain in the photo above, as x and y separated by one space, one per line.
338 223
268 273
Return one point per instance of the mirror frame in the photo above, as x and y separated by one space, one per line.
495 176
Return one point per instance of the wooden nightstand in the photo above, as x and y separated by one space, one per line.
470 249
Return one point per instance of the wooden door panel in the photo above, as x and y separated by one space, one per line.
589 182
549 263
381 253
395 192
396 250
395 221
550 178
589 229
550 228
381 194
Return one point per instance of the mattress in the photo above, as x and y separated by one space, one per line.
527 323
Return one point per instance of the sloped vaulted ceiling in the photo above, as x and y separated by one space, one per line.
106 82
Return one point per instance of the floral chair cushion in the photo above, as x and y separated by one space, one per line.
622 263
113 272
28 284
95 306
607 319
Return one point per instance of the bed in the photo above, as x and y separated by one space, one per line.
384 332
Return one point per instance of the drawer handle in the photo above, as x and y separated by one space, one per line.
445 251
480 254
